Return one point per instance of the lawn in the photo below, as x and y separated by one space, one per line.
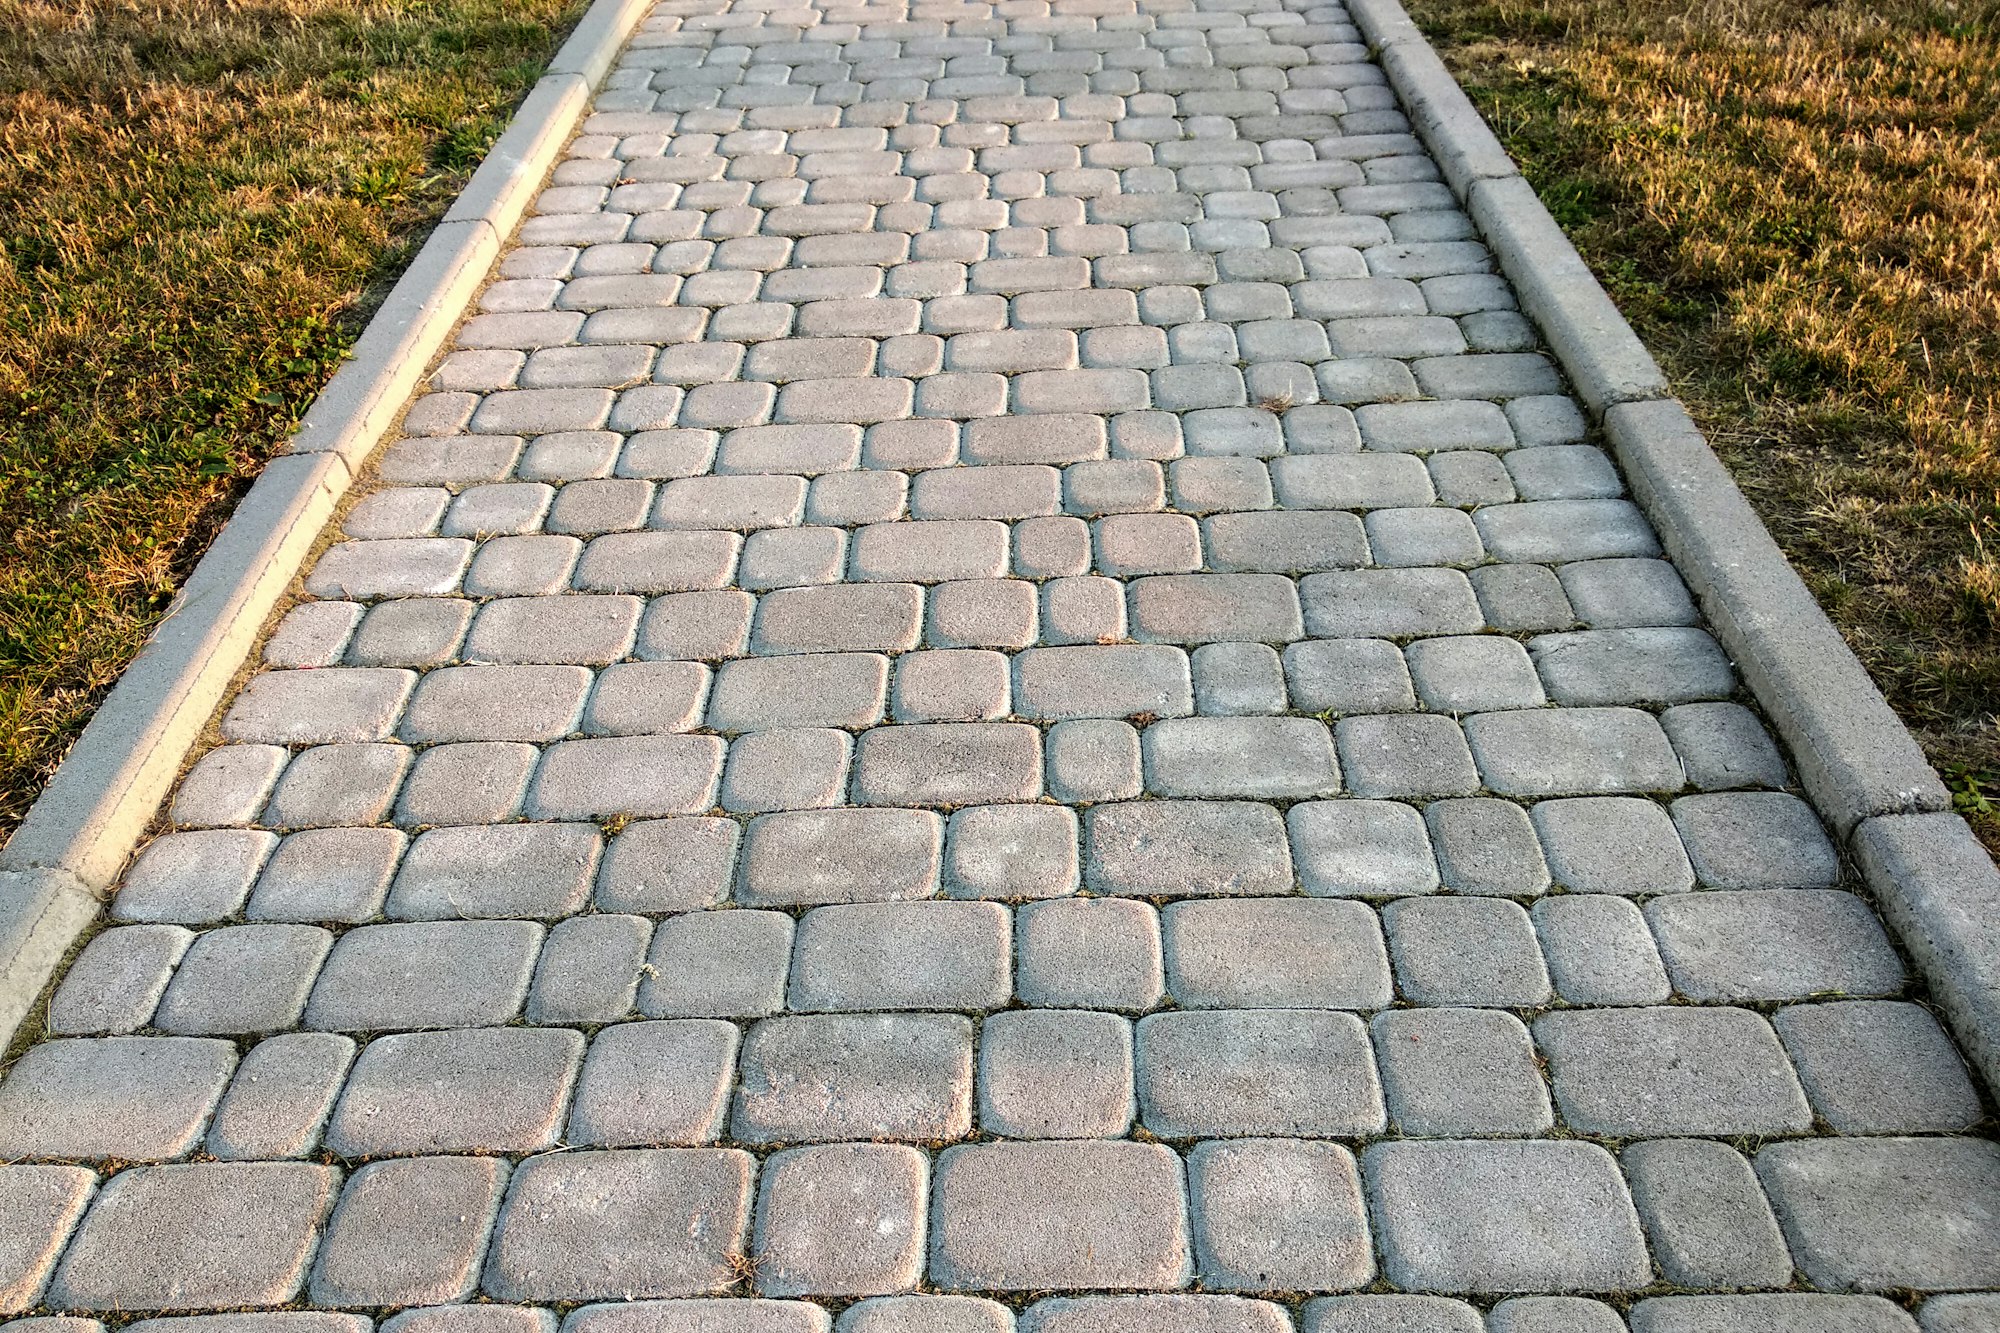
198 201
1798 206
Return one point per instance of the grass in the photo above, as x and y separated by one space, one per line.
197 200
1798 206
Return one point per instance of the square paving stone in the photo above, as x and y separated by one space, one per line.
1756 840
1643 1073
1883 1214
930 955
1055 1074
41 1205
1505 1216
1275 953
409 1232
1257 1071
1278 1215
654 1084
116 982
1089 953
1599 950
1800 1313
618 1225
441 974
281 1096
505 870
243 979
1706 1215
668 865
846 1219
589 969
1159 848
1011 852
1459 1073
729 964
481 1090
133 1099
795 769
1878 1067
1153 1314
1612 844
216 1235
1470 951
1486 846
1773 944
1062 1216
926 1314
1361 849
828 1077
1390 1314
802 857
1724 746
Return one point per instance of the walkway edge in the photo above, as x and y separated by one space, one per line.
70 849
1857 761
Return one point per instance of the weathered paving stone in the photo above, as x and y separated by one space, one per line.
841 1220
1724 746
1257 1071
668 865
1799 1313
1632 1073
1275 953
589 969
1756 840
1876 1067
1598 950
430 974
214 1235
930 955
409 1232
1149 848
627 775
1360 848
1037 1216
718 965
926 1314
1390 1314
116 982
42 1204
1706 1215
476 1090
621 1224
1958 1314
1878 1214
1055 1074
1274 757
1089 953
1612 844
1572 752
1553 1314
1459 1073
509 870
824 1078
1773 944
1168 1314
700 1316
481 1318
654 1084
1486 846
1465 951
1107 681
1278 1215
807 690
132 1099
1504 1216
833 856
948 764
283 1091
193 878
1011 852
243 979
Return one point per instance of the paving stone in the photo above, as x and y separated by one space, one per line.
1192 609
193 878
1278 1215
1236 679
116 982
700 1316
1170 1314
217 1234
228 785
497 703
843 1219
409 1232
1612 844
1389 603
1878 1067
796 769
1504 1216
129 1099
1055 1074
1632 666
1473 674
1553 1314
1612 594
425 974
1521 599
1756 840
654 1084
1390 1314
808 690
1599 950
481 1318
982 613
1347 676
647 698
1486 846
1106 681
1957 1314
668 865
283 1091
1773 944
505 870
1257 1071
1724 746
830 856
1572 751
1632 1073
881 617
473 782
948 764
621 1224
1359 848
243 979
1557 531
1886 1214
1459 1073
337 784
926 1314
1037 1216
932 955
1465 951
589 969
718 965
42 1204
1417 755
1706 1215
1149 848
1768 1314
822 1078
1275 953
1011 852
627 775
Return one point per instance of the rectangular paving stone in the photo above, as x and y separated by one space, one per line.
130 1099
880 617
1193 609
948 764
827 1077
1275 953
1773 944
1872 1067
1460 1073
475 1090
409 1232
865 956
1279 758
439 974
806 857
841 1220
1151 848
1789 1313
1360 848
283 1091
116 982
1572 751
505 870
718 964
805 690
1292 1072
1706 1215
589 969
668 865
243 979
1668 1071
41 1204
1465 951
627 775
1278 1215
497 703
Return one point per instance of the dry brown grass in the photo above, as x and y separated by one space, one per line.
1799 207
194 198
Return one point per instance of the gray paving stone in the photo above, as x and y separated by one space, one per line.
982 613
1756 840
1773 944
129 1099
1572 752
951 685
808 690
948 764
1102 681
283 1091
425 974
589 969
1282 758
1089 954
1656 1072
1359 848
808 857
1389 603
1390 1314
1465 951
1417 755
1041 1216
621 1224
1706 1215
213 1235
734 1315
822 1078
843 1219
1801 1313
1553 1314
1724 746
1169 1314
1599 950
228 785
1958 1314
1886 1214
1011 852
926 1314
473 782
1611 594
668 865
506 870
647 698
1055 1074
312 634
42 1205
718 965
1191 609
337 784
626 775
1612 844
1504 1216
193 878
1155 848
1486 846
497 703
930 955
412 632
243 979
1257 1071
481 1318
1878 1067
1459 1073
409 1232
654 1084
1521 599
116 982
472 1090
1277 953
1348 676
794 769
1632 666
1278 1215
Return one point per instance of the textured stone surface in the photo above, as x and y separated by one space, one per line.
1278 1215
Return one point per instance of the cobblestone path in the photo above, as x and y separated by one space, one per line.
997 672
